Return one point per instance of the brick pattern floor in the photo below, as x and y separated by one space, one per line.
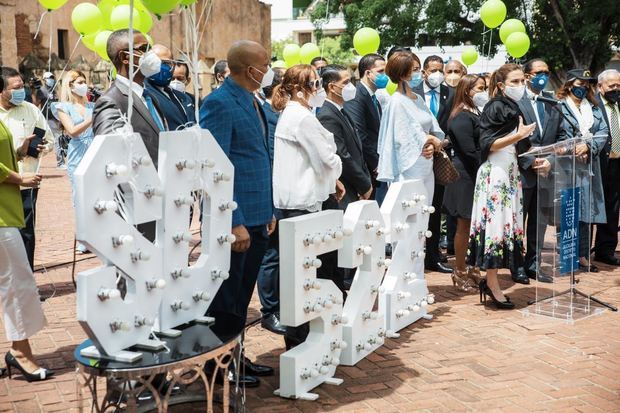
468 358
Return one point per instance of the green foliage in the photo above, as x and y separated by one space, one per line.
278 46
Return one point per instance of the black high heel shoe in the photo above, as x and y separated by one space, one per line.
485 290
39 375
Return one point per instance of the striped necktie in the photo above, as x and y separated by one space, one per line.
614 129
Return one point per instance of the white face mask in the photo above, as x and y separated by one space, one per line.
515 92
348 92
267 78
149 64
177 85
80 89
317 100
480 99
435 79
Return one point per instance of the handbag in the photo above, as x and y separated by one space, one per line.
445 172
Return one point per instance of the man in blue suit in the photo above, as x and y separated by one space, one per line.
178 109
237 121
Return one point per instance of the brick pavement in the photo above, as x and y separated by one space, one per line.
468 358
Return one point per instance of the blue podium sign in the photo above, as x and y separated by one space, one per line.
569 230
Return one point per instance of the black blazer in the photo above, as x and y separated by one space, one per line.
604 155
362 112
177 107
446 99
106 117
548 136
355 175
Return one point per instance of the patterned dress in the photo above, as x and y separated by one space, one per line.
496 233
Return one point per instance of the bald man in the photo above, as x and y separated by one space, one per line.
454 70
236 120
178 109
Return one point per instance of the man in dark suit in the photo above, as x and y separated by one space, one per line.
146 118
548 124
237 121
178 109
181 78
355 175
609 102
365 112
438 98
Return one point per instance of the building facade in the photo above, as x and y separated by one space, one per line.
291 19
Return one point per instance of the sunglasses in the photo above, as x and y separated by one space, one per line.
315 84
545 72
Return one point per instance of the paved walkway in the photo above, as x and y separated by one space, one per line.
468 358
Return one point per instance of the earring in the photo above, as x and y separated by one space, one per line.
300 94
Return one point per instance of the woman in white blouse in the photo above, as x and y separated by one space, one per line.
306 167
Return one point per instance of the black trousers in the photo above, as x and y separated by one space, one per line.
607 234
535 227
29 200
434 224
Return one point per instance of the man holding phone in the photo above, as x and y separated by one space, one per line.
32 138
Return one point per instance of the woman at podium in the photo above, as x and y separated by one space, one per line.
496 232
583 118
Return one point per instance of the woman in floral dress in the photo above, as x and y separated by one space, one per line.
496 233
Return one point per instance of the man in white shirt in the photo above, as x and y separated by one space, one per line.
21 118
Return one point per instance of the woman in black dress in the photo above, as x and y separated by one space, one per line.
464 133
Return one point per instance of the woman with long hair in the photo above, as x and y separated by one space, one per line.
496 232
583 117
464 133
409 133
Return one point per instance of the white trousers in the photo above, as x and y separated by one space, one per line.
23 314
422 169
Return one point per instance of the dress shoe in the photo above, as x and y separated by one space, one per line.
485 290
607 260
271 322
520 277
450 250
588 268
244 381
254 369
438 267
543 278
39 374
443 257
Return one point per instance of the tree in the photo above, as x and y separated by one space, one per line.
566 33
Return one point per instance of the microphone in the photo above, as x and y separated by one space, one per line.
544 99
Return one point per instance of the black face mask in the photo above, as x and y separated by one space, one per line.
612 96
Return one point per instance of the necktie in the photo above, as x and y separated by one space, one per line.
375 102
614 128
540 107
260 120
153 111
434 106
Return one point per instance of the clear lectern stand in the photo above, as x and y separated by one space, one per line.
564 209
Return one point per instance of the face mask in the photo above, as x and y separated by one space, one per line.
381 80
415 81
18 96
80 89
316 100
164 76
177 85
149 64
50 83
267 77
348 92
539 81
453 79
612 96
435 79
515 92
580 92
480 99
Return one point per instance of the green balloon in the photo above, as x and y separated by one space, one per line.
186 3
366 41
493 13
308 52
509 27
160 7
86 18
101 44
89 40
391 87
291 54
279 63
119 19
469 56
517 44
146 20
52 4
106 7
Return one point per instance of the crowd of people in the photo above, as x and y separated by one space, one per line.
310 138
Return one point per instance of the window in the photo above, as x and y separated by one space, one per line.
63 42
305 38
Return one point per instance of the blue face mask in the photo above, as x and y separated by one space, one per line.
415 81
164 77
50 83
580 92
18 96
381 80
539 81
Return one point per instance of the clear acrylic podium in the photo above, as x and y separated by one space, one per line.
564 207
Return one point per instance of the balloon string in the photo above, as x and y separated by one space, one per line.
131 65
64 69
49 55
489 53
39 25
323 37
